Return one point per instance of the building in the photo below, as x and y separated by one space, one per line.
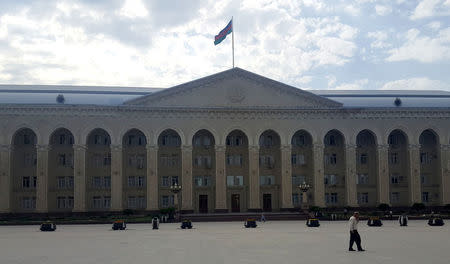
235 141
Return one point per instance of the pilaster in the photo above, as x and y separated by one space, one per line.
414 174
186 178
116 178
286 177
383 174
79 188
350 175
42 178
253 167
5 178
445 174
319 185
152 178
221 187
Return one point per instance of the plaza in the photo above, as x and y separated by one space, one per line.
225 242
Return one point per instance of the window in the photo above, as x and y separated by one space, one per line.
297 159
107 202
107 182
425 158
131 202
140 181
29 202
167 200
363 158
165 181
61 202
174 180
363 178
330 179
425 197
394 140
298 179
395 197
423 179
97 161
107 160
26 182
295 199
141 203
235 180
131 181
393 158
97 182
202 181
395 178
170 141
267 180
61 159
69 202
266 141
299 141
330 158
234 160
29 159
140 162
34 181
97 202
62 139
70 182
330 140
61 182
363 198
331 198
267 161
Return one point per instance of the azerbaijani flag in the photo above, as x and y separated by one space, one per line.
223 34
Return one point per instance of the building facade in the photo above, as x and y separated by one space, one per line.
235 141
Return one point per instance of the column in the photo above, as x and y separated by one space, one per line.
5 178
152 178
253 170
415 194
79 188
350 175
319 185
286 177
221 181
42 178
116 178
383 174
186 178
445 174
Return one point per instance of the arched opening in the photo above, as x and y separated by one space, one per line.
398 168
60 171
302 167
169 166
98 170
430 166
24 165
270 170
134 158
236 169
366 168
334 168
203 171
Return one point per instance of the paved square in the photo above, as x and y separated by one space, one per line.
276 242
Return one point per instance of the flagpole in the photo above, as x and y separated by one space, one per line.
232 39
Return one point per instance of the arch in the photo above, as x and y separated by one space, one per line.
431 131
311 131
270 131
229 130
237 131
53 133
87 131
125 130
369 132
402 133
169 130
159 132
305 132
27 130
214 135
18 128
98 129
388 132
123 141
262 131
338 132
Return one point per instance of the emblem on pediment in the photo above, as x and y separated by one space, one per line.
235 94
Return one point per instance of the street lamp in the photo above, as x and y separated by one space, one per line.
175 189
304 187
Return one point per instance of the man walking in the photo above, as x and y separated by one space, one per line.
354 236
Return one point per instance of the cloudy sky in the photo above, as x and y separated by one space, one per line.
312 44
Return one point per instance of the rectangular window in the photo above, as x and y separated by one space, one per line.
26 182
61 202
33 182
165 201
131 181
69 160
295 200
198 181
62 160
363 178
107 160
70 182
207 162
141 181
131 202
425 158
425 197
97 161
97 202
363 198
330 179
230 180
97 182
107 182
394 178
298 179
363 158
267 180
140 162
395 197
61 182
297 159
333 198
107 202
141 203
174 180
393 158
70 202
165 181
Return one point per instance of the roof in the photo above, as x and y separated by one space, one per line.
114 95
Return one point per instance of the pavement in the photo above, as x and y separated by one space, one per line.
271 242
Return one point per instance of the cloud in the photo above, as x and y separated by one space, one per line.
423 48
431 8
380 39
356 85
421 83
383 10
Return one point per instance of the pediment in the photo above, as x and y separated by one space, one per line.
234 88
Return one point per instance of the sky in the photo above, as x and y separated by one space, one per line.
309 44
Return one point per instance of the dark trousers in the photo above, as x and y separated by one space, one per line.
354 237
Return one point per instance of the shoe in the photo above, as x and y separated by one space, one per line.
351 249
361 249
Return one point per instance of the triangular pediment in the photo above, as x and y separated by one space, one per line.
234 88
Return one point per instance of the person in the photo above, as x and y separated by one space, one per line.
354 235
263 218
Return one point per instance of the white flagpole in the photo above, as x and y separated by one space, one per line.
232 39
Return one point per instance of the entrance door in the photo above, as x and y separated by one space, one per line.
235 203
203 203
267 202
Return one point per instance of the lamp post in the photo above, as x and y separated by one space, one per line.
304 187
175 189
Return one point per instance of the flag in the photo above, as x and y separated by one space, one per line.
223 34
